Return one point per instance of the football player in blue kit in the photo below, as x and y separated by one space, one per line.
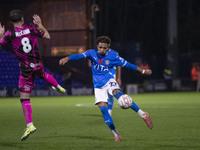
103 59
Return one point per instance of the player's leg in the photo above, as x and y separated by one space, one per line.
144 115
115 90
49 79
27 110
110 103
101 97
26 86
108 120
52 81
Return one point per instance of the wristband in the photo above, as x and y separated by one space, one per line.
143 71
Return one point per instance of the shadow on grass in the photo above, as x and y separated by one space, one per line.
9 144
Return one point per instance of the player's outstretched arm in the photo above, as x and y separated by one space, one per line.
144 71
2 30
71 57
37 21
137 68
64 61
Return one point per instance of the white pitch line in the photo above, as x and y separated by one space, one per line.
85 105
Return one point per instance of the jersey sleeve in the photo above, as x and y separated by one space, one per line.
119 61
80 56
37 31
87 53
123 63
5 38
76 56
4 41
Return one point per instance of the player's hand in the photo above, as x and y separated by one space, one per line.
63 61
2 30
148 72
36 19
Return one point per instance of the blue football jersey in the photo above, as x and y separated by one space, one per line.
113 70
103 67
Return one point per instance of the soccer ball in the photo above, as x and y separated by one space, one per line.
125 101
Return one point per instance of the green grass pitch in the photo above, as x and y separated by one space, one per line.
75 123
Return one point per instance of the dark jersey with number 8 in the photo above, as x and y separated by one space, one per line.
23 43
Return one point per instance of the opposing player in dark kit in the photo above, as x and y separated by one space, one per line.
22 41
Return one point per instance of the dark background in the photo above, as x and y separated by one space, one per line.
138 30
146 22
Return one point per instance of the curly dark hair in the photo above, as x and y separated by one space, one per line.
103 39
16 15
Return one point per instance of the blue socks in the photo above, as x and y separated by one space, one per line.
110 102
135 107
118 95
107 118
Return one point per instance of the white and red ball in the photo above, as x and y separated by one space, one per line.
125 101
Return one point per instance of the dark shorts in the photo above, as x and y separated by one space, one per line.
27 77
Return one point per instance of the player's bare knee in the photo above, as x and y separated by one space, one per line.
101 104
116 91
24 95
